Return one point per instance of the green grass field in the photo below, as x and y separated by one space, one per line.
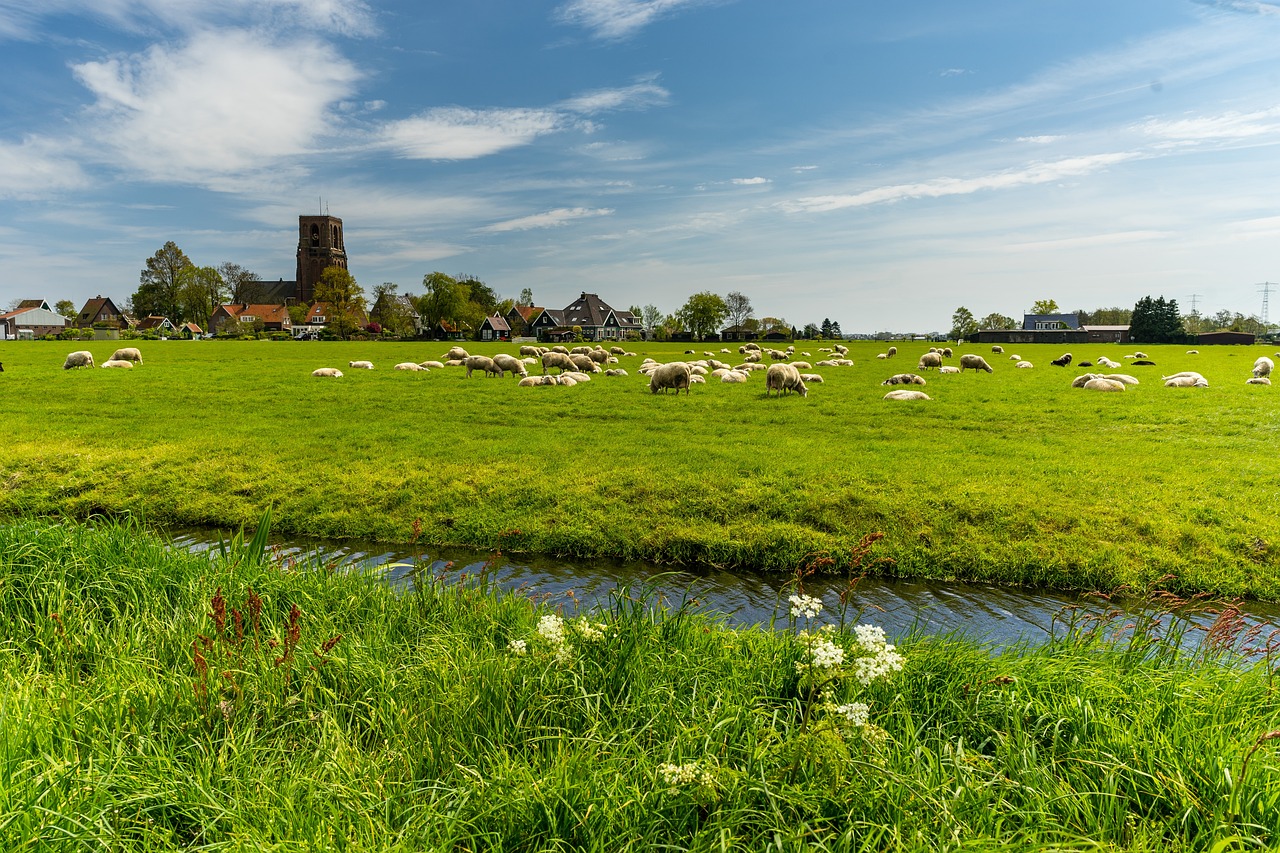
1010 477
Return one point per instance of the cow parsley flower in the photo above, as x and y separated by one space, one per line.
551 629
680 775
857 713
518 647
807 606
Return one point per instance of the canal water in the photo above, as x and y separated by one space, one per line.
987 613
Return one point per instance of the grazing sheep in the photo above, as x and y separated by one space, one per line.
1062 360
531 350
482 362
117 362
79 358
890 352
432 365
456 354
810 378
617 351
904 379
946 352
510 363
583 362
556 359
599 356
1186 382
1263 367
673 375
1145 363
127 354
331 372
1258 380
360 365
948 368
1103 384
997 349
929 360
906 394
1024 365
974 362
563 350
733 376
409 365
784 379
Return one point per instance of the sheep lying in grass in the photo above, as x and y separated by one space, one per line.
1184 374
1123 377
127 354
1193 352
974 362
1257 380
673 375
615 371
904 379
948 368
360 365
1062 360
117 362
811 378
733 376
906 394
432 365
1263 367
456 354
329 372
1024 365
1186 382
1101 383
77 359
409 365
784 379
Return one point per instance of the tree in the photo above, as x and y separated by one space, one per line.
389 310
484 296
66 308
826 327
1104 317
738 307
835 330
160 284
1156 321
997 321
703 313
443 300
962 323
526 297
344 298
812 332
202 291
242 285
1045 306
650 317
773 324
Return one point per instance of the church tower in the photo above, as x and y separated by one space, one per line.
319 247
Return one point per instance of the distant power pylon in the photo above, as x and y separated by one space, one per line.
1194 297
1265 289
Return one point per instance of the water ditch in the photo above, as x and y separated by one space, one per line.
996 615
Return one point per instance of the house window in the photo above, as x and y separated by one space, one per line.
247 318
319 318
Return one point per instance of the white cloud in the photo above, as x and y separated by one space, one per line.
226 103
35 168
1035 173
550 219
748 182
347 17
644 93
953 72
1039 140
1224 127
457 133
619 19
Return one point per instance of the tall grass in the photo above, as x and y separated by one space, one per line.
152 699
1009 477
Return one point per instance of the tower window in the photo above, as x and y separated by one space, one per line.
315 235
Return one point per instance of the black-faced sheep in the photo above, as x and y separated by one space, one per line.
127 354
904 379
674 375
974 362
784 379
1062 360
79 358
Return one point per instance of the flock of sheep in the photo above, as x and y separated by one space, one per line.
782 377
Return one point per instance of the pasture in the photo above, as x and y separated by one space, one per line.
1010 477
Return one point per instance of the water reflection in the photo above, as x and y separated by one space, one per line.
988 613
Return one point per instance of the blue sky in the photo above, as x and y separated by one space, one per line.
879 164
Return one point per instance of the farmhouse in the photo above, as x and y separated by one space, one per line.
597 320
275 318
33 318
101 312
159 325
495 328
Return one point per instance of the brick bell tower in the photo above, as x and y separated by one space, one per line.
319 247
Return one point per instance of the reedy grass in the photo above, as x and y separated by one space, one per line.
1010 477
420 729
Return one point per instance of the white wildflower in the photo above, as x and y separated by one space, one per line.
677 775
805 605
551 629
826 654
857 713
589 632
518 647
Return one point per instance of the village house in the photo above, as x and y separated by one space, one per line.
100 312
596 320
33 318
495 328
275 318
154 323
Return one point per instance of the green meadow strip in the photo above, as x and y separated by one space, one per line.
1010 477
154 699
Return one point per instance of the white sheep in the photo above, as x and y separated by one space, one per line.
532 350
1123 377
79 358
566 380
1193 352
432 365
882 355
360 365
1015 357
1186 382
811 378
530 381
733 376
929 360
1101 383
904 379
997 349
117 362
456 354
559 360
906 394
1191 374
673 375
410 365
784 379
948 368
1024 365
482 362
890 352
329 372
1079 381
510 363
974 362
1257 380
616 371
127 354
1263 367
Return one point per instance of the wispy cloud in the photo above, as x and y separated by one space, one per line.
36 167
642 94
1035 173
1248 7
615 20
550 219
225 102
457 133
954 72
1222 127
749 182
21 20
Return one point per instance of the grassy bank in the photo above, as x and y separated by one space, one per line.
1010 477
157 700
